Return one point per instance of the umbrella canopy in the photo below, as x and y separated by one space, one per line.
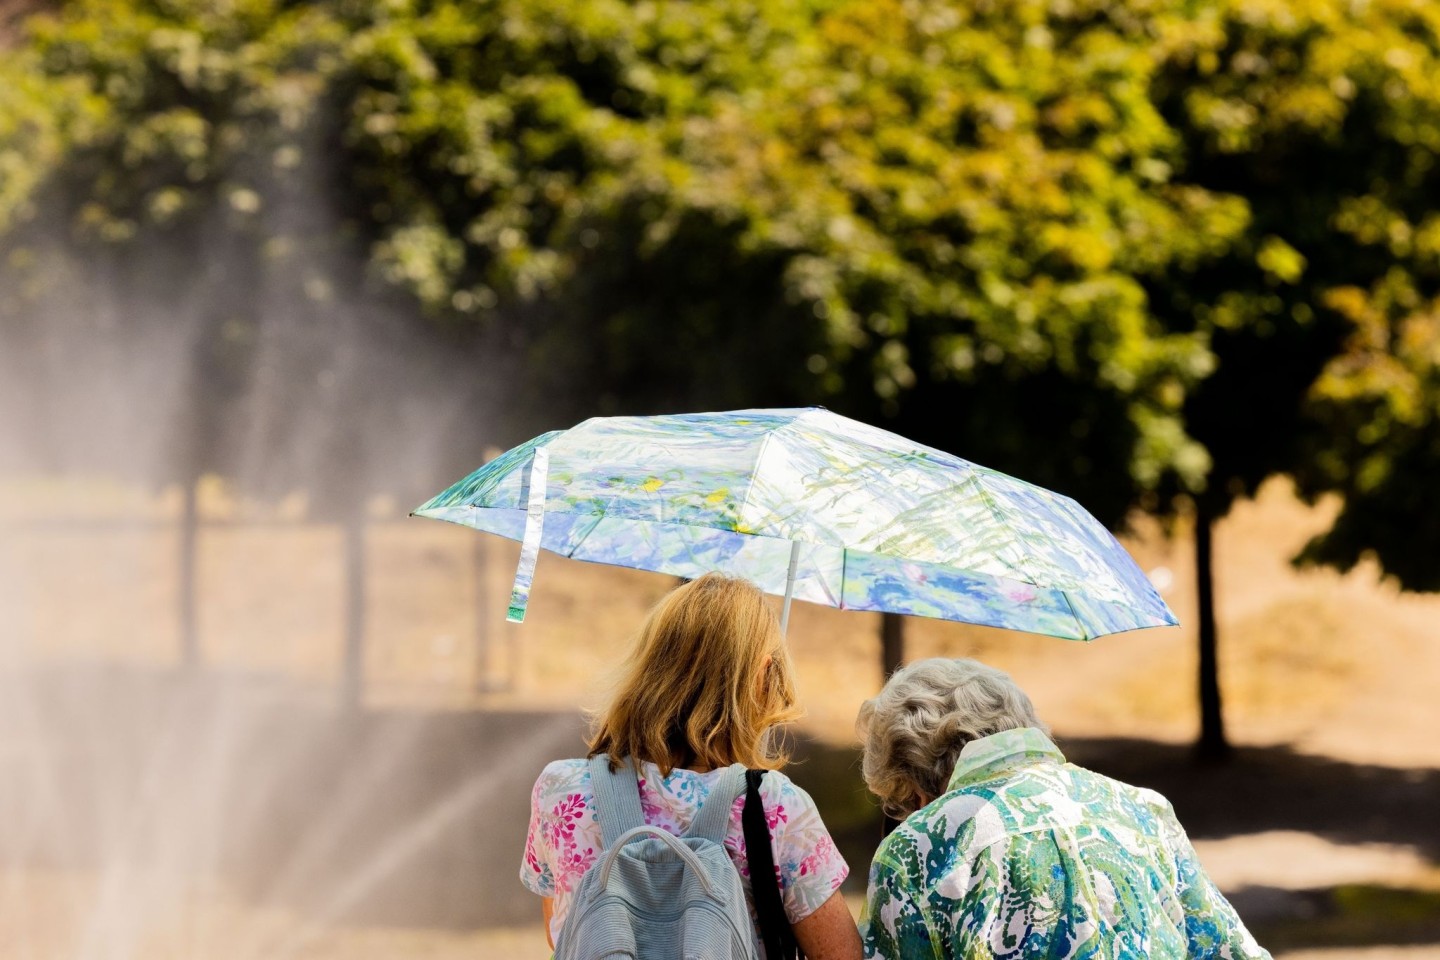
842 513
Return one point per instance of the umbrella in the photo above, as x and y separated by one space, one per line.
812 505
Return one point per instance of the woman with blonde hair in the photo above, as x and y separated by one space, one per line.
707 684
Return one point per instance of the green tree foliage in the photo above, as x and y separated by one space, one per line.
1378 405
598 177
187 104
40 117
192 185
1325 118
944 217
938 216
1140 252
156 122
1014 179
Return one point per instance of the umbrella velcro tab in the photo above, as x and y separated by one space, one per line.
534 529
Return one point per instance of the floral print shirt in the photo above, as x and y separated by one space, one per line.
1028 856
564 839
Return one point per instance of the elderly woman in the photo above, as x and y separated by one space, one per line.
1006 850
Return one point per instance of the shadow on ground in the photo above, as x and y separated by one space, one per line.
1274 788
418 818
1349 915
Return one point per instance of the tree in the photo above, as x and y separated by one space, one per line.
1324 118
177 205
861 203
1379 405
658 199
941 218
937 218
1075 241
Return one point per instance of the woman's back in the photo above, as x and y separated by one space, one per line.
564 839
705 686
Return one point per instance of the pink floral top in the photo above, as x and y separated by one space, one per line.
565 839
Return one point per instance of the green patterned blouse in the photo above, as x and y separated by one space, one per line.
1028 856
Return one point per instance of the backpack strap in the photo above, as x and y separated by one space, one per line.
775 932
713 821
617 798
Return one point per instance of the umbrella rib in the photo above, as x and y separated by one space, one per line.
1084 630
978 480
594 524
754 475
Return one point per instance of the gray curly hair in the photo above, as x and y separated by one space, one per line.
914 729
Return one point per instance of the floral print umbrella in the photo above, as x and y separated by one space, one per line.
809 503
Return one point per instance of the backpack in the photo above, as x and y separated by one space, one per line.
654 896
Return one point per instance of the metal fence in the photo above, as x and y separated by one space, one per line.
196 590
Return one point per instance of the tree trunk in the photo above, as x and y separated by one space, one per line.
892 655
185 587
1212 744
892 644
352 682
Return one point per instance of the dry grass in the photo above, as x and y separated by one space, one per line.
37 911
1340 666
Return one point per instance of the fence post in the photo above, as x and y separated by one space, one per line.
485 680
186 588
352 682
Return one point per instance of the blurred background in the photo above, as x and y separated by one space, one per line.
272 273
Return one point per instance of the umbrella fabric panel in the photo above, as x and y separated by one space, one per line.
1063 546
876 582
1103 618
883 523
667 548
814 484
955 525
692 552
630 467
825 477
676 469
657 469
812 423
500 483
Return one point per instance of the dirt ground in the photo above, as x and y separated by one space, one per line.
1325 829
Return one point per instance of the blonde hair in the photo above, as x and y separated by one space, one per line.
913 731
708 681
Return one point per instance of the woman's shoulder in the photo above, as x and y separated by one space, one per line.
569 776
563 776
778 791
778 781
810 866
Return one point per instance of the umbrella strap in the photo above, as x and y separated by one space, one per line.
534 528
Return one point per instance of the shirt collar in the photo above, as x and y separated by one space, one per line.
1007 748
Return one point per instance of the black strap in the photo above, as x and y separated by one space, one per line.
775 932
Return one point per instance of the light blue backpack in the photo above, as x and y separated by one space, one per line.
651 895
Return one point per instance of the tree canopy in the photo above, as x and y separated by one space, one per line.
1131 250
1325 118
